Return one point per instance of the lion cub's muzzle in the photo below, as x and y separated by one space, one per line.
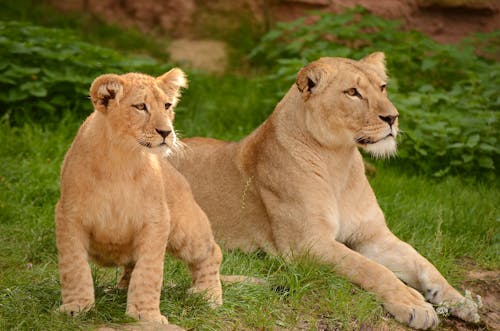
164 134
167 138
162 139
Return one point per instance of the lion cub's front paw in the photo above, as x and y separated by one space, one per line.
75 308
147 316
410 308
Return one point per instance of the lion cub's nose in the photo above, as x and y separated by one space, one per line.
389 119
163 133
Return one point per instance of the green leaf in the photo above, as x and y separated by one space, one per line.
489 148
428 63
442 172
456 145
36 89
486 162
467 158
473 140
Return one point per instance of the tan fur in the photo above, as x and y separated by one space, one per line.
122 203
296 185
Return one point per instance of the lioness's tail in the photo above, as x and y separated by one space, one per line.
232 279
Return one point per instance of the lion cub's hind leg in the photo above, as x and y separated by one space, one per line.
206 277
192 242
204 262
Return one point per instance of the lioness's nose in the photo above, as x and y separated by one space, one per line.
389 119
163 133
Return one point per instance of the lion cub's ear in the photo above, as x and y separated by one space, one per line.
377 59
310 78
104 89
171 83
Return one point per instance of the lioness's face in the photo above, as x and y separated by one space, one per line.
140 108
347 103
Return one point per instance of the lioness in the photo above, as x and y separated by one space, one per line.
296 185
122 203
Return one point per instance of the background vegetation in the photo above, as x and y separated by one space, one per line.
448 99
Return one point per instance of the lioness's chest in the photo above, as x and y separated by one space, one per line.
357 210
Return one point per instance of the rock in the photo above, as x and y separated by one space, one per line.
207 55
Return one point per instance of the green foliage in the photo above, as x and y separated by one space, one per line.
45 72
447 95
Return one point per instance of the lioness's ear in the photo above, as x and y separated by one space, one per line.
104 89
377 59
172 81
309 78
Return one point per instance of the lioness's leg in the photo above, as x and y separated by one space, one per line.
77 289
418 272
144 289
192 242
405 304
316 236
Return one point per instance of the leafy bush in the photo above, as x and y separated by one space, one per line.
447 95
44 72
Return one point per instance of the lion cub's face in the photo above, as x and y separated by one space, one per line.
346 103
139 108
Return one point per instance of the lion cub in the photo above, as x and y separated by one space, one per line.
123 204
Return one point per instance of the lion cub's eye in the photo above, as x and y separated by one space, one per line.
141 106
352 92
383 87
168 105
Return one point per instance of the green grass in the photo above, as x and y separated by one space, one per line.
446 221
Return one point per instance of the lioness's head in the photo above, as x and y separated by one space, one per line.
139 108
346 103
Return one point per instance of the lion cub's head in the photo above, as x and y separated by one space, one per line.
138 108
346 103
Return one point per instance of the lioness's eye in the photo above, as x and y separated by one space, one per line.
383 87
352 92
168 105
141 106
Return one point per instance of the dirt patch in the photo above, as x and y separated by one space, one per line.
486 283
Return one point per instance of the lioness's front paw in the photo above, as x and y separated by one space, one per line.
147 316
75 308
412 309
464 308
